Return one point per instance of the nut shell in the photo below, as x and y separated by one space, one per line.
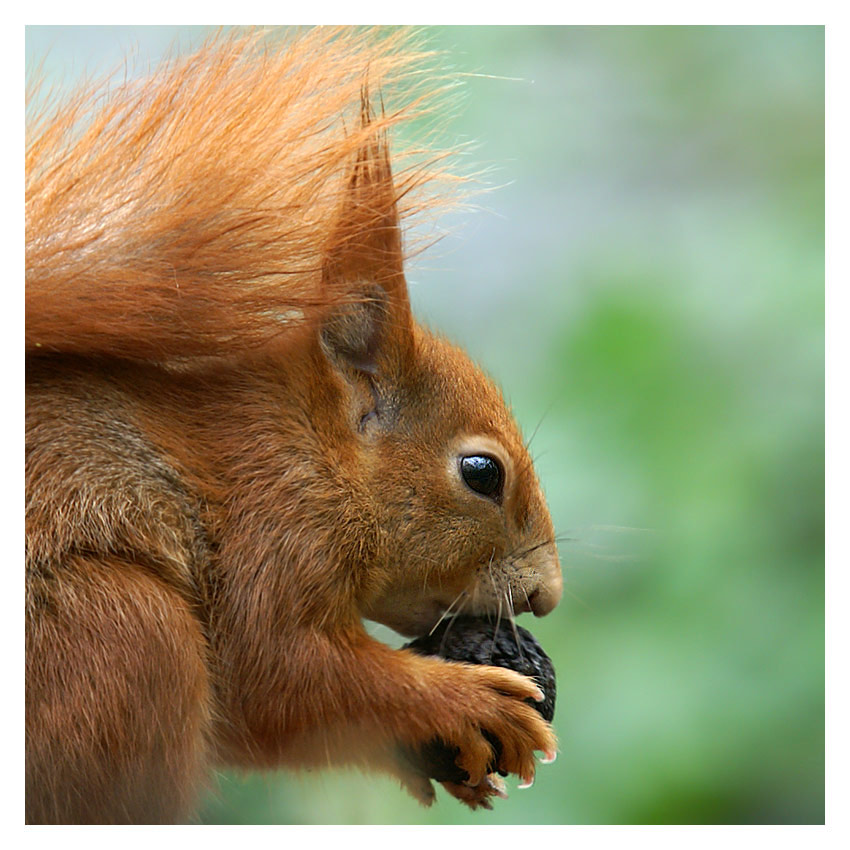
478 641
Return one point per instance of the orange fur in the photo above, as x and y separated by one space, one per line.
195 212
240 444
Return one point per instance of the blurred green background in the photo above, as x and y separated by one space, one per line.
647 286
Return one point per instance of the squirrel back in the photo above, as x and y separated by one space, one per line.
240 444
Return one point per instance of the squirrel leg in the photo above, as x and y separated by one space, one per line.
355 700
116 696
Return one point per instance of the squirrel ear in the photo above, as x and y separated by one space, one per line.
363 270
352 333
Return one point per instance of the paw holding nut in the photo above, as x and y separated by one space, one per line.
481 642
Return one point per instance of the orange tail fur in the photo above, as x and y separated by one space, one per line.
189 214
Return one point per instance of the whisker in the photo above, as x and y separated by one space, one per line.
531 549
452 622
499 597
512 619
614 559
573 595
526 465
496 630
540 422
436 561
537 457
447 611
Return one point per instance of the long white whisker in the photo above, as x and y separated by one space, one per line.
512 619
449 626
498 596
447 611
496 630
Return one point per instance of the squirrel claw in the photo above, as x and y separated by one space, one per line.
497 786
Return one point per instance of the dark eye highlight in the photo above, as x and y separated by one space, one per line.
483 474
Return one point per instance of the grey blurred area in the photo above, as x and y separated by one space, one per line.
645 278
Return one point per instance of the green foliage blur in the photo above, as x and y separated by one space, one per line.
646 283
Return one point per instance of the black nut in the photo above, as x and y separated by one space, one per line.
478 641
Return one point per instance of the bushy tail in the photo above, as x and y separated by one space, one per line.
189 214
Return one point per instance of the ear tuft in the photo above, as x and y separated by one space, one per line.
364 264
366 238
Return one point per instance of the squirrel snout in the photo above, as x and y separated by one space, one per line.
547 594
545 598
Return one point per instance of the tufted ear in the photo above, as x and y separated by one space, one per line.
371 329
353 333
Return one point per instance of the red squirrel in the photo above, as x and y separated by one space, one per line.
240 445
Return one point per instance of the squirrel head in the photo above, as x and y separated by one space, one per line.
460 520
465 524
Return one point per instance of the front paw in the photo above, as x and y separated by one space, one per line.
485 725
503 731
475 641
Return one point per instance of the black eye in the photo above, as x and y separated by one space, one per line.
482 474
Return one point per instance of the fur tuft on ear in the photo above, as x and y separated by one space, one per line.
365 264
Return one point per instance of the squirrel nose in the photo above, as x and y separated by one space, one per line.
547 594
